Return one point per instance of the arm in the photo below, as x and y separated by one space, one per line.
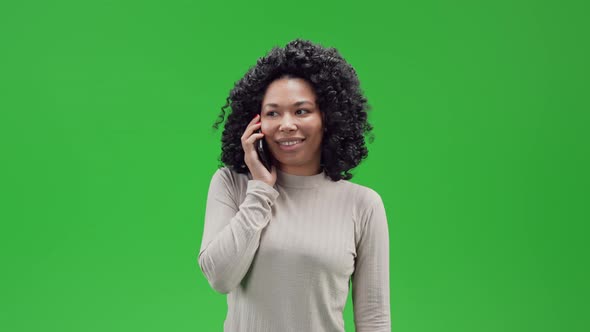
231 234
370 280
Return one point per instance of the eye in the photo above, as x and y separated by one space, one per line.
303 110
270 113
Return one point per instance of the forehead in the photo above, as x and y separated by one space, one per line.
288 89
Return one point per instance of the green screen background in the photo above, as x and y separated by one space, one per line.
480 155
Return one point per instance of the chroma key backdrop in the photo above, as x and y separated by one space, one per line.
481 156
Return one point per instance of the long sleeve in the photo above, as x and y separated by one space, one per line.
370 280
231 234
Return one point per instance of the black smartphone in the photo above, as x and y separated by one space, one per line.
263 153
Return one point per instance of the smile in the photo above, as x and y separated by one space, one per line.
290 145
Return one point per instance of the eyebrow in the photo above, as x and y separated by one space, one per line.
299 103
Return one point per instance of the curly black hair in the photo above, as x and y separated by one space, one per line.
339 97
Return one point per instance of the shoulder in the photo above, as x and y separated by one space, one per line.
229 174
364 196
230 178
361 199
367 210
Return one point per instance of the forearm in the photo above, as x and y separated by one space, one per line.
227 256
370 281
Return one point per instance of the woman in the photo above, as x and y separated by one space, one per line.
284 244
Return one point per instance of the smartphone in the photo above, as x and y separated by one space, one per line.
263 153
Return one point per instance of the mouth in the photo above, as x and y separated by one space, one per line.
291 145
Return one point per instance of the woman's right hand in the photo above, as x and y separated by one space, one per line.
257 169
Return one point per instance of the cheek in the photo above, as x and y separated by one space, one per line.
318 132
265 127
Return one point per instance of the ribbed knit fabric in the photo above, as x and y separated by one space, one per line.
284 255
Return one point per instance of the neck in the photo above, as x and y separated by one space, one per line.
305 171
301 181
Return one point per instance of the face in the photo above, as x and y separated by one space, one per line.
290 113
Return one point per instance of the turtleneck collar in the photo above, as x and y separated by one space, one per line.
301 181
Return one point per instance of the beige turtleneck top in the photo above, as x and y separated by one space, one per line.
285 254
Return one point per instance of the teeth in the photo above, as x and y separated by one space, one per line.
290 143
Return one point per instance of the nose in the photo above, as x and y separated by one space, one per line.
287 123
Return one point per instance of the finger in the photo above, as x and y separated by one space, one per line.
256 125
254 137
255 119
250 129
251 142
